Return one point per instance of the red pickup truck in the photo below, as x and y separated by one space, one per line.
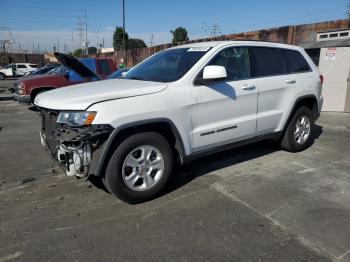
73 71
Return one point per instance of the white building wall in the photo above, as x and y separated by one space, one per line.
335 67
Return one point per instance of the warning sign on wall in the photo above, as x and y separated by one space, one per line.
331 53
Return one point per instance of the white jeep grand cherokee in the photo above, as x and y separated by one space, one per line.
179 104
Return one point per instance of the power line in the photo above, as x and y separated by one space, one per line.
43 8
38 21
38 14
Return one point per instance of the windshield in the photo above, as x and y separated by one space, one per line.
57 71
167 66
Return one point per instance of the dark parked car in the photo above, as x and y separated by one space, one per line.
74 71
43 70
119 73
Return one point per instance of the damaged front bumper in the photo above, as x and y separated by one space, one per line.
72 147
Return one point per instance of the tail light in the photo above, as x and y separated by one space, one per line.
321 78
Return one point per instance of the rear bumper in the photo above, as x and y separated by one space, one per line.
22 99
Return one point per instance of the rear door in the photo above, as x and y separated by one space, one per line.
226 110
276 87
21 69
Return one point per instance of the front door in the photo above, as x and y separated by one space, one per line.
226 110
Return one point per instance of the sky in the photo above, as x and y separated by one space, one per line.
44 23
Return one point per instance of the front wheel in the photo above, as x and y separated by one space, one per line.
299 133
2 76
140 167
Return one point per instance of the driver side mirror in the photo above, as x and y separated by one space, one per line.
212 73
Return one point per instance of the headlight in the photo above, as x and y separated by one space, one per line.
76 118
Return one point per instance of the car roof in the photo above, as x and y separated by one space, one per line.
238 42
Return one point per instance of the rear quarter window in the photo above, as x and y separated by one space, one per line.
295 62
266 61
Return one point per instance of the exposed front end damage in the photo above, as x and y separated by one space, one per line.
72 147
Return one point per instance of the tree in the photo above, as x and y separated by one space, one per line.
135 43
179 35
118 38
78 52
129 42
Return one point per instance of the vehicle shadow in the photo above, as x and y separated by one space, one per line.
202 166
205 165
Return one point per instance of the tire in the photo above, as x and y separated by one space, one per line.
148 176
294 138
2 76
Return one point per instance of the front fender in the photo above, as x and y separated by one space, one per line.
101 154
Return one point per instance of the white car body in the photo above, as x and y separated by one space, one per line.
21 69
204 117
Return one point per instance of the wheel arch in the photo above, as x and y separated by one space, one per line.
163 126
310 101
37 90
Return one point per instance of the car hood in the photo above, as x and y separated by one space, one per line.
81 96
74 64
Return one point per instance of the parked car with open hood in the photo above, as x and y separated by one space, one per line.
73 71
179 104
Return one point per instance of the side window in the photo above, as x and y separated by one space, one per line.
21 66
104 67
236 62
267 61
295 62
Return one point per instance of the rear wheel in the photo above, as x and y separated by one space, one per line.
299 133
140 167
2 76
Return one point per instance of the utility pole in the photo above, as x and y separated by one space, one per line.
80 25
86 40
151 40
72 41
58 44
348 9
213 30
96 32
125 56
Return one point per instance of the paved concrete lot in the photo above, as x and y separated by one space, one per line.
4 86
254 203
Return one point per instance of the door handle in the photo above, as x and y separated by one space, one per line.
290 81
248 87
